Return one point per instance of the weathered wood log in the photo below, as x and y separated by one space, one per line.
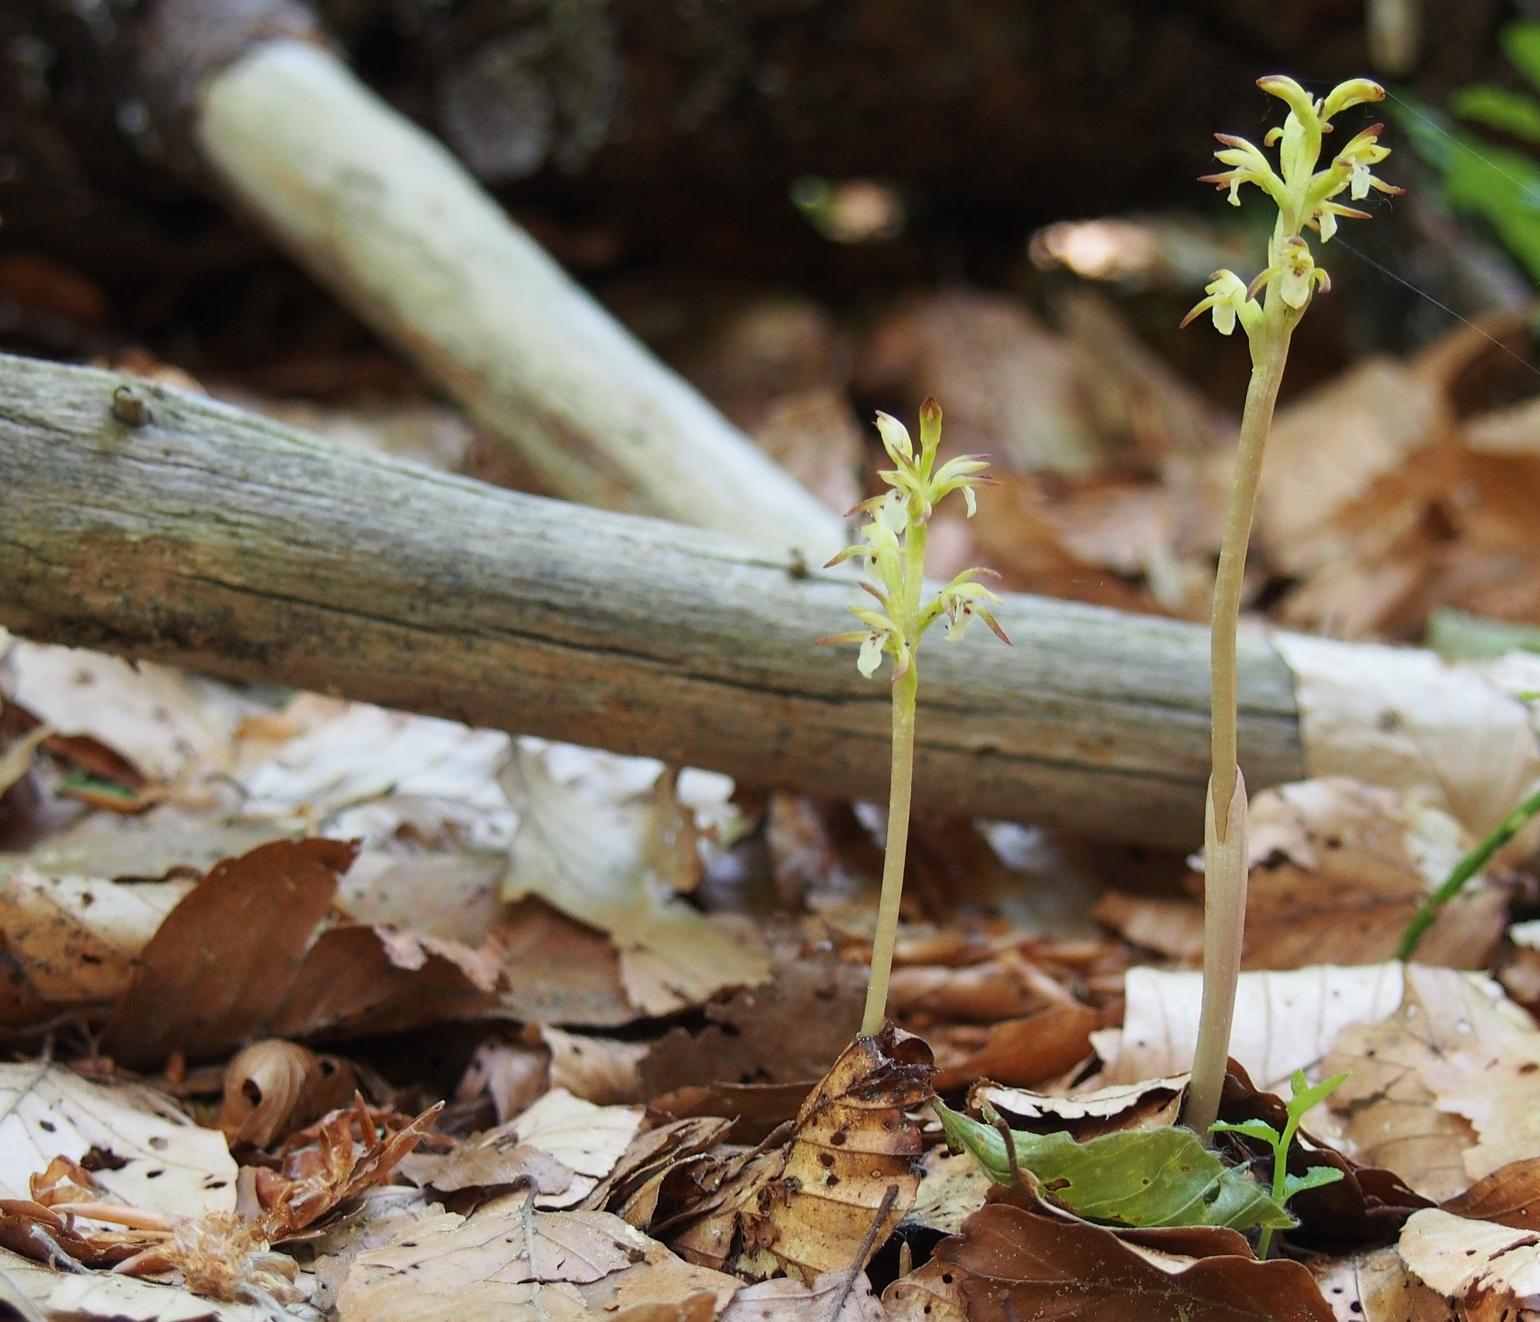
225 543
381 213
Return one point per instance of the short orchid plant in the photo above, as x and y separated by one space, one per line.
892 548
1267 309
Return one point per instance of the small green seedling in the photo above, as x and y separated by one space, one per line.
1304 197
1464 870
1143 1178
893 550
1285 1186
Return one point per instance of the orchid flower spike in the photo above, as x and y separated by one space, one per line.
1304 195
892 548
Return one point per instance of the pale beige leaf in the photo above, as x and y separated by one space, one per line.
592 856
86 1296
1118 1105
156 1159
1443 1091
1283 1021
355 770
833 1297
952 1188
162 720
510 1262
16 761
1444 730
1486 1270
586 1139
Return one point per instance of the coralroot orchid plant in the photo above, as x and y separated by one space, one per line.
1305 198
892 548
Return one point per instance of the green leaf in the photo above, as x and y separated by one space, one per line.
1136 1177
1257 1129
1313 1178
1521 44
1498 108
1306 1097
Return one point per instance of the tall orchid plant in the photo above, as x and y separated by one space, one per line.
892 548
1306 199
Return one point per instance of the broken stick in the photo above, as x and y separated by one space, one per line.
386 217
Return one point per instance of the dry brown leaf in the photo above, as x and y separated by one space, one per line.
831 1194
513 1077
1013 1263
1017 1052
146 1153
597 1069
359 771
786 1031
1338 868
931 1294
561 971
632 1189
274 1087
1443 1091
1010 387
164 841
1376 1287
1486 1272
224 959
592 855
75 941
1509 1196
452 896
1160 924
1333 448
843 1296
1283 1021
512 1262
369 980
1007 986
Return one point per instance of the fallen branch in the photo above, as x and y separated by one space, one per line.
222 542
382 214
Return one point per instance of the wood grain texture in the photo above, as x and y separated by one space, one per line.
389 220
225 543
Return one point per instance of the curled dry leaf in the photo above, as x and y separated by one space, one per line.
1443 1091
1096 1111
1509 1196
16 760
274 1087
513 1262
829 1196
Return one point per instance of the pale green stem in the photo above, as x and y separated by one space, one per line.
1269 356
904 692
1224 846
